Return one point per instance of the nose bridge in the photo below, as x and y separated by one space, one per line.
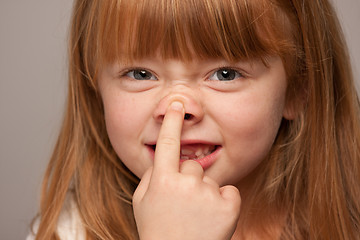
185 94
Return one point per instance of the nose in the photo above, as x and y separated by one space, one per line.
193 110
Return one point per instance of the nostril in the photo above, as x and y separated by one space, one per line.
188 116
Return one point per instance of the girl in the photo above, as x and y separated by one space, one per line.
177 108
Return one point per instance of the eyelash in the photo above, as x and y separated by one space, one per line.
230 71
133 71
235 74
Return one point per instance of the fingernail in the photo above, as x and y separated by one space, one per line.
178 106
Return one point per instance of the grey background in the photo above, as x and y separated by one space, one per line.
33 37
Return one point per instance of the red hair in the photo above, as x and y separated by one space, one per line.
312 173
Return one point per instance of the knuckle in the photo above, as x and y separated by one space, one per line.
163 181
232 207
167 140
192 182
136 198
211 182
233 202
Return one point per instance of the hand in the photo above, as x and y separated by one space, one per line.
176 201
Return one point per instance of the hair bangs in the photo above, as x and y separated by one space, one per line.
184 29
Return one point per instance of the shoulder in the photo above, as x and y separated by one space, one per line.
69 224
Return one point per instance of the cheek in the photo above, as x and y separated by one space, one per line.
120 118
249 136
253 132
261 122
125 119
250 129
118 125
252 119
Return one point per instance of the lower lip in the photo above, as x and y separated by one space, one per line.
205 162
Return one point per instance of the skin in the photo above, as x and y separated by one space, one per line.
167 185
242 116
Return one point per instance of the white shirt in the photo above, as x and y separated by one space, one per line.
69 225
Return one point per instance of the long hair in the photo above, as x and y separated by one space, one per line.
312 172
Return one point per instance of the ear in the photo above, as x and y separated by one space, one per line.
294 104
289 112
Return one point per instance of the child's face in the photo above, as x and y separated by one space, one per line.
233 111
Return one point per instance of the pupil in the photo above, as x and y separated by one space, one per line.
141 74
226 74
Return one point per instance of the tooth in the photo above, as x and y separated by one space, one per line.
198 152
206 150
185 158
186 151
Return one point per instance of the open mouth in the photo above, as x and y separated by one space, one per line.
194 151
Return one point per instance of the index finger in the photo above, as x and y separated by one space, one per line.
167 153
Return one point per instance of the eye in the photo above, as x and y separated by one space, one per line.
225 74
141 74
